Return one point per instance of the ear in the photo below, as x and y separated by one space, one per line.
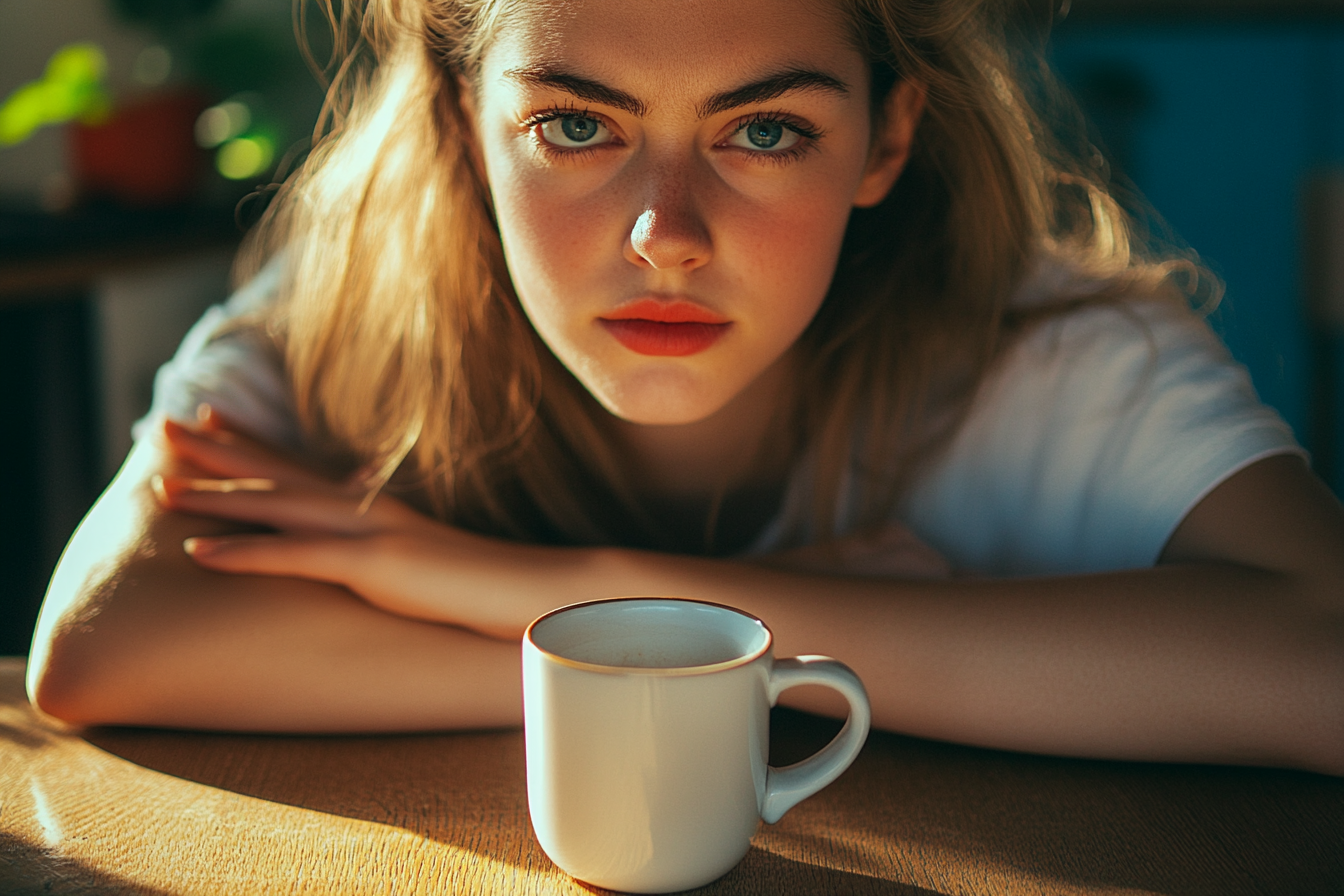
891 148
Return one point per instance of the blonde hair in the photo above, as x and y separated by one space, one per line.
408 352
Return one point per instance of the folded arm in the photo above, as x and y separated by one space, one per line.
1231 650
133 632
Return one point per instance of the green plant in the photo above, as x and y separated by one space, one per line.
70 88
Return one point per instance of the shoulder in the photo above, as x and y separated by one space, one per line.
1090 440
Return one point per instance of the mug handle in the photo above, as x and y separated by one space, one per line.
786 787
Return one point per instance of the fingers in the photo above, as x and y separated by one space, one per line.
265 501
218 446
247 481
207 417
322 558
225 453
215 446
218 486
367 566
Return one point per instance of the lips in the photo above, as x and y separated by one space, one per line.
669 329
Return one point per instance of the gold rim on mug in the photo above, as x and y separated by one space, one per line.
650 670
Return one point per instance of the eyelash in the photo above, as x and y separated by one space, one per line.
809 134
532 122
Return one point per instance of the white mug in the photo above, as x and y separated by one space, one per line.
647 724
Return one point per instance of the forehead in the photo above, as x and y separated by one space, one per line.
655 47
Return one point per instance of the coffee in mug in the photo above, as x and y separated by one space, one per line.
647 724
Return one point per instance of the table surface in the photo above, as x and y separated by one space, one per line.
157 812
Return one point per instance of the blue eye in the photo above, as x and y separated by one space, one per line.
580 130
573 131
765 134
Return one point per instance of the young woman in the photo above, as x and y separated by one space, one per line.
802 307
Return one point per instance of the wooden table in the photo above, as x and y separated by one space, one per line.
156 812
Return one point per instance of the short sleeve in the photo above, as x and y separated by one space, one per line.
235 368
1090 443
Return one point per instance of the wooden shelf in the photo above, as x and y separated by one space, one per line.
50 255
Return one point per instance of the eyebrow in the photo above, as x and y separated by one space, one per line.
767 88
583 88
770 87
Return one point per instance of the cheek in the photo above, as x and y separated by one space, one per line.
790 247
553 242
531 224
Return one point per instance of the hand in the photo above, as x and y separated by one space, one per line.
890 552
384 551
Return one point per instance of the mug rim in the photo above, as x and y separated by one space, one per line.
667 671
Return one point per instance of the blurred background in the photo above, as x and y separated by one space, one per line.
136 136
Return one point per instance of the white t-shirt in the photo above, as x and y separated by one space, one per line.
1098 432
235 370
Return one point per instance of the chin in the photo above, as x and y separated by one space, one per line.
662 407
677 415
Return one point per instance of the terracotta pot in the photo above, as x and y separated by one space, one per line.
145 154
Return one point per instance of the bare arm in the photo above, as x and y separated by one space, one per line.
133 632
1232 650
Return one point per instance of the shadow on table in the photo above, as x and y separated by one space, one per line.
763 873
939 815
23 737
767 874
29 870
1081 823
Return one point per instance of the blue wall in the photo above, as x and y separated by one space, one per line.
1220 128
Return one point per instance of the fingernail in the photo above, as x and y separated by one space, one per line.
198 547
172 426
176 429
167 487
224 486
203 412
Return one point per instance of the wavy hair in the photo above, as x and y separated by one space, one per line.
409 354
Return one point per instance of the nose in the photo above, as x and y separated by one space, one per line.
670 232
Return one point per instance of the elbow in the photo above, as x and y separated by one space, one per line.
55 696
1321 745
81 674
87 650
65 682
1325 755
83 694
1328 755
1330 765
56 678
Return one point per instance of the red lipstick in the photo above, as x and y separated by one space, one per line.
669 329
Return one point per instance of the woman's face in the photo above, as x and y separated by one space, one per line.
672 179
